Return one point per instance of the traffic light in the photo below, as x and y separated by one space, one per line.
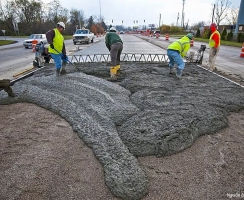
122 21
112 21
144 20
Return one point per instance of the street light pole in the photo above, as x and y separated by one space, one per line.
213 13
100 10
182 20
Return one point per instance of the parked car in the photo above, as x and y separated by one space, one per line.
39 37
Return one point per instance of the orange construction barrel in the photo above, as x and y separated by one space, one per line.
167 37
191 43
33 45
242 50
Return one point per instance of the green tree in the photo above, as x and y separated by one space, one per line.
198 33
230 36
77 18
224 34
90 22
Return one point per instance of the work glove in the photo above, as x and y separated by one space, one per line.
214 51
52 46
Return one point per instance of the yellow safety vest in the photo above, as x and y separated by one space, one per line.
58 42
211 41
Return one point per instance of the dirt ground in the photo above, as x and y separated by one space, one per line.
42 158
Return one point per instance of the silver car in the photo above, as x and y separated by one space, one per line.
39 37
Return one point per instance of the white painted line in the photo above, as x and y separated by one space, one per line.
221 76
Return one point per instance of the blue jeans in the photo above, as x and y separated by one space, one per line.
58 59
175 57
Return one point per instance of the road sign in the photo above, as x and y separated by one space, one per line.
4 33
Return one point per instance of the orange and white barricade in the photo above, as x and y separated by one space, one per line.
167 37
33 45
192 42
242 50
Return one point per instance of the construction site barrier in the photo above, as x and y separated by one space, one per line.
242 50
33 45
127 57
167 37
191 43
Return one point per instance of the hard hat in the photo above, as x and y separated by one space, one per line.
61 24
213 25
112 28
190 36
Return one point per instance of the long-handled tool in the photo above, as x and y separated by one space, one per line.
66 59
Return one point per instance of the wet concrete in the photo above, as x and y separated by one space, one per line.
146 112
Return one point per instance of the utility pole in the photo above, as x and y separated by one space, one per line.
182 20
100 10
159 21
178 18
79 20
213 13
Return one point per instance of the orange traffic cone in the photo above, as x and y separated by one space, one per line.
242 50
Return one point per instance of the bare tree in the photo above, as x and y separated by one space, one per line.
232 16
221 10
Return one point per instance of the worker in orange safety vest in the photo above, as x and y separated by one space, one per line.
214 43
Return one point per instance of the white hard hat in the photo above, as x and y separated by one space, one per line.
61 24
112 28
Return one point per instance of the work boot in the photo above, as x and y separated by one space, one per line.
63 71
117 67
171 71
57 72
113 72
178 73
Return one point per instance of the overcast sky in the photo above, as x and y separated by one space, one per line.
148 10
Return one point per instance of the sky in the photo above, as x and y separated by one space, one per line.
148 10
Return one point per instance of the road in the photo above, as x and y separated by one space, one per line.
14 58
228 59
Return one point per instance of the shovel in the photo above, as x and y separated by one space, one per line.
67 59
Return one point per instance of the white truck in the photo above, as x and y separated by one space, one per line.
83 36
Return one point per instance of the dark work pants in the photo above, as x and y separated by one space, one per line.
115 53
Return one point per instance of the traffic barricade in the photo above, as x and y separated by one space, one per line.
33 45
192 42
157 35
242 50
167 37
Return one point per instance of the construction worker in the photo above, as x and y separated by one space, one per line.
57 47
214 43
115 46
177 51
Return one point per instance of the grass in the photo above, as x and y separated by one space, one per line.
5 42
222 42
